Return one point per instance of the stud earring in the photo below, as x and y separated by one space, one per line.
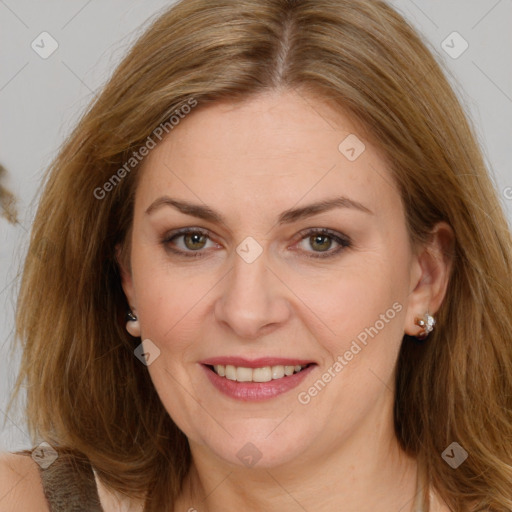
427 323
132 324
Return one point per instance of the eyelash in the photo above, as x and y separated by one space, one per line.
343 241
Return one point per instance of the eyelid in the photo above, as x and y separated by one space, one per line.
324 231
170 236
344 241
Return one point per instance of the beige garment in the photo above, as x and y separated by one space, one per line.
422 491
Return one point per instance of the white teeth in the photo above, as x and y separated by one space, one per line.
230 372
264 374
277 372
243 374
288 370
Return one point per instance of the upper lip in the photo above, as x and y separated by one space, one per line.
255 363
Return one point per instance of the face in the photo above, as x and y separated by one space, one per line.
234 271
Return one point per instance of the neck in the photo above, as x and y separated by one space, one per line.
365 472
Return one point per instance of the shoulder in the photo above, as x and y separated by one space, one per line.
21 488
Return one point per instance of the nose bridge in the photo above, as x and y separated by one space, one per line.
250 299
249 274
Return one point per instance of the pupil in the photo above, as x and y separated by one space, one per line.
317 238
195 237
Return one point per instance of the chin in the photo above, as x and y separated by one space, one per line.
262 446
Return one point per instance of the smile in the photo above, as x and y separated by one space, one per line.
263 374
255 380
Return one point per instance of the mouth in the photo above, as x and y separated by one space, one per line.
260 374
257 379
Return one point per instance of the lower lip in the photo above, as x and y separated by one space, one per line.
256 391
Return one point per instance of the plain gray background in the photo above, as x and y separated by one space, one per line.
41 99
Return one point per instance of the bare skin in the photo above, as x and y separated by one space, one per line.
250 162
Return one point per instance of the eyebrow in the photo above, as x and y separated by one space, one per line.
286 217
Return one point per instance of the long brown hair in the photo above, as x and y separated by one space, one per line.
85 388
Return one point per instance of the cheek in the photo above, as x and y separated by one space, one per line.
362 316
168 308
354 297
166 296
365 311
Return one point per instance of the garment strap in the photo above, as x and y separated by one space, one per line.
422 491
69 484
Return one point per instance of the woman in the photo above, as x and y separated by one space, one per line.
275 275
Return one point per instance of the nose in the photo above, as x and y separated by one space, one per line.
253 300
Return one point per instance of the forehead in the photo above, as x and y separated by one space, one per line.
266 125
275 148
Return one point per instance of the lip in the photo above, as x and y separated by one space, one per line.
255 391
255 363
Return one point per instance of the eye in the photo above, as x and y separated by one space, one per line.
322 240
192 241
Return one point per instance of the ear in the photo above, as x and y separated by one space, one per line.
430 274
126 279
